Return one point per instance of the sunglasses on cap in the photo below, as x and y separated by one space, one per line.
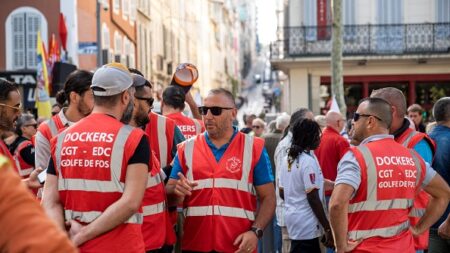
357 116
215 110
149 101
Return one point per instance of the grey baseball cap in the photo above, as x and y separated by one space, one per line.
138 80
112 78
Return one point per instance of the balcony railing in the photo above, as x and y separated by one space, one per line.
367 40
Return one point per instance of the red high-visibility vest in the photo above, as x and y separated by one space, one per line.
91 159
157 228
409 138
391 176
161 131
51 127
223 205
5 151
23 167
188 126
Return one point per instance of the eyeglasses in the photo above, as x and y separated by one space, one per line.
149 101
357 116
257 127
33 125
215 110
17 108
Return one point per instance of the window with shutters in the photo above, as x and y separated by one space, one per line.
443 11
117 46
125 9
22 26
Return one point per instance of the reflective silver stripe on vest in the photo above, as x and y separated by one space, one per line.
380 205
189 156
225 183
96 185
248 154
219 210
162 140
154 209
198 127
88 217
371 203
371 173
408 139
382 232
52 126
418 166
417 212
114 185
153 181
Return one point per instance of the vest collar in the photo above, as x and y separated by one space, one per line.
376 138
210 144
402 129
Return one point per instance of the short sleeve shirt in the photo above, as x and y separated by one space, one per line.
303 176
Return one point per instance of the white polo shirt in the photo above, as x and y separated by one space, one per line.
303 176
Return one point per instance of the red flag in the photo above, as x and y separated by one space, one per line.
62 31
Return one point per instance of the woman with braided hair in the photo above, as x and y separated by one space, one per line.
302 187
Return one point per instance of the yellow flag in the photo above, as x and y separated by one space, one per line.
43 104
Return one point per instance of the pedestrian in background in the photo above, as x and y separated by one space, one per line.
22 147
280 152
415 112
258 127
302 187
441 163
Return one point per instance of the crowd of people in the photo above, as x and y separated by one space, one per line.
111 175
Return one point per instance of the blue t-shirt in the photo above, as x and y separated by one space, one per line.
441 163
261 175
424 150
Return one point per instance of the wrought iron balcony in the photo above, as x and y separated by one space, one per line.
363 40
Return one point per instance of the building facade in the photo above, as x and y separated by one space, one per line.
400 43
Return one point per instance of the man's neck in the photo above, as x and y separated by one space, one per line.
222 140
169 110
396 125
443 123
72 114
114 111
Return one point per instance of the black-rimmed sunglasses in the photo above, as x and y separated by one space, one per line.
215 110
357 116
149 101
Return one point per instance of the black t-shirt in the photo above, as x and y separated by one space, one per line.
26 153
141 155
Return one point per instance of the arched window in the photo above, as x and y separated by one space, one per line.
22 26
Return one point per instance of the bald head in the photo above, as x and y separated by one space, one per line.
335 120
394 97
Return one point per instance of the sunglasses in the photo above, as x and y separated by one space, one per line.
257 127
17 108
215 110
357 116
149 101
33 125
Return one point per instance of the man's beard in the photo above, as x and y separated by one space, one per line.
126 117
141 120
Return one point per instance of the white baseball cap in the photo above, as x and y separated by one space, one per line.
112 78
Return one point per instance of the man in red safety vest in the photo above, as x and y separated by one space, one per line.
411 139
157 228
376 185
219 175
99 169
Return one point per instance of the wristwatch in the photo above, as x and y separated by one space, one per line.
258 232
